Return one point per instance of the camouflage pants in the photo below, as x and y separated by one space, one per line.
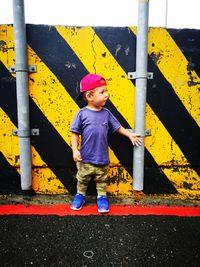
86 172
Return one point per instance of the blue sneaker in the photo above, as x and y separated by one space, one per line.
102 203
78 202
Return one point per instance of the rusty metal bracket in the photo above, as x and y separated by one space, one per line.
25 133
147 132
133 76
23 68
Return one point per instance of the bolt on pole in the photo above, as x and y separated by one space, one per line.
141 88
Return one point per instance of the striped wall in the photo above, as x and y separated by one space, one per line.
63 55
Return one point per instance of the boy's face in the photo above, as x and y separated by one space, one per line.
99 96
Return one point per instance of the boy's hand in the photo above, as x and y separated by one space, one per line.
135 139
77 156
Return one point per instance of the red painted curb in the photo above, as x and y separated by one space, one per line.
118 210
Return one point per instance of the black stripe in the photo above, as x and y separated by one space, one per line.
58 56
9 178
160 96
188 40
49 144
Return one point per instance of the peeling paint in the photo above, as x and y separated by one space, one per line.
118 48
3 46
17 158
127 50
187 185
69 65
156 57
190 68
117 176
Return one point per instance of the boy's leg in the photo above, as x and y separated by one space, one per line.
101 184
101 177
83 177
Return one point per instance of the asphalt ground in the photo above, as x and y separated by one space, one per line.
99 240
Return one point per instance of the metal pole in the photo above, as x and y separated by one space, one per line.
21 69
141 87
166 12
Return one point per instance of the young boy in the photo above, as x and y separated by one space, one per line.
92 123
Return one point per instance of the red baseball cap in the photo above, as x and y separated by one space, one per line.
89 82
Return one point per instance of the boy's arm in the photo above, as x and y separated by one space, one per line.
75 143
135 138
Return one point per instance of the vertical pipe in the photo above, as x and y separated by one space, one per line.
141 88
21 68
166 13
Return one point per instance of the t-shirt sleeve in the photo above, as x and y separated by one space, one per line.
76 124
113 123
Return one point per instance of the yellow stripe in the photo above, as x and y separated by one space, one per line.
89 48
8 146
187 194
174 66
44 180
189 177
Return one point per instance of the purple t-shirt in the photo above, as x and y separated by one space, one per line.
93 127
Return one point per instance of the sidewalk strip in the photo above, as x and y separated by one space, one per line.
117 210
